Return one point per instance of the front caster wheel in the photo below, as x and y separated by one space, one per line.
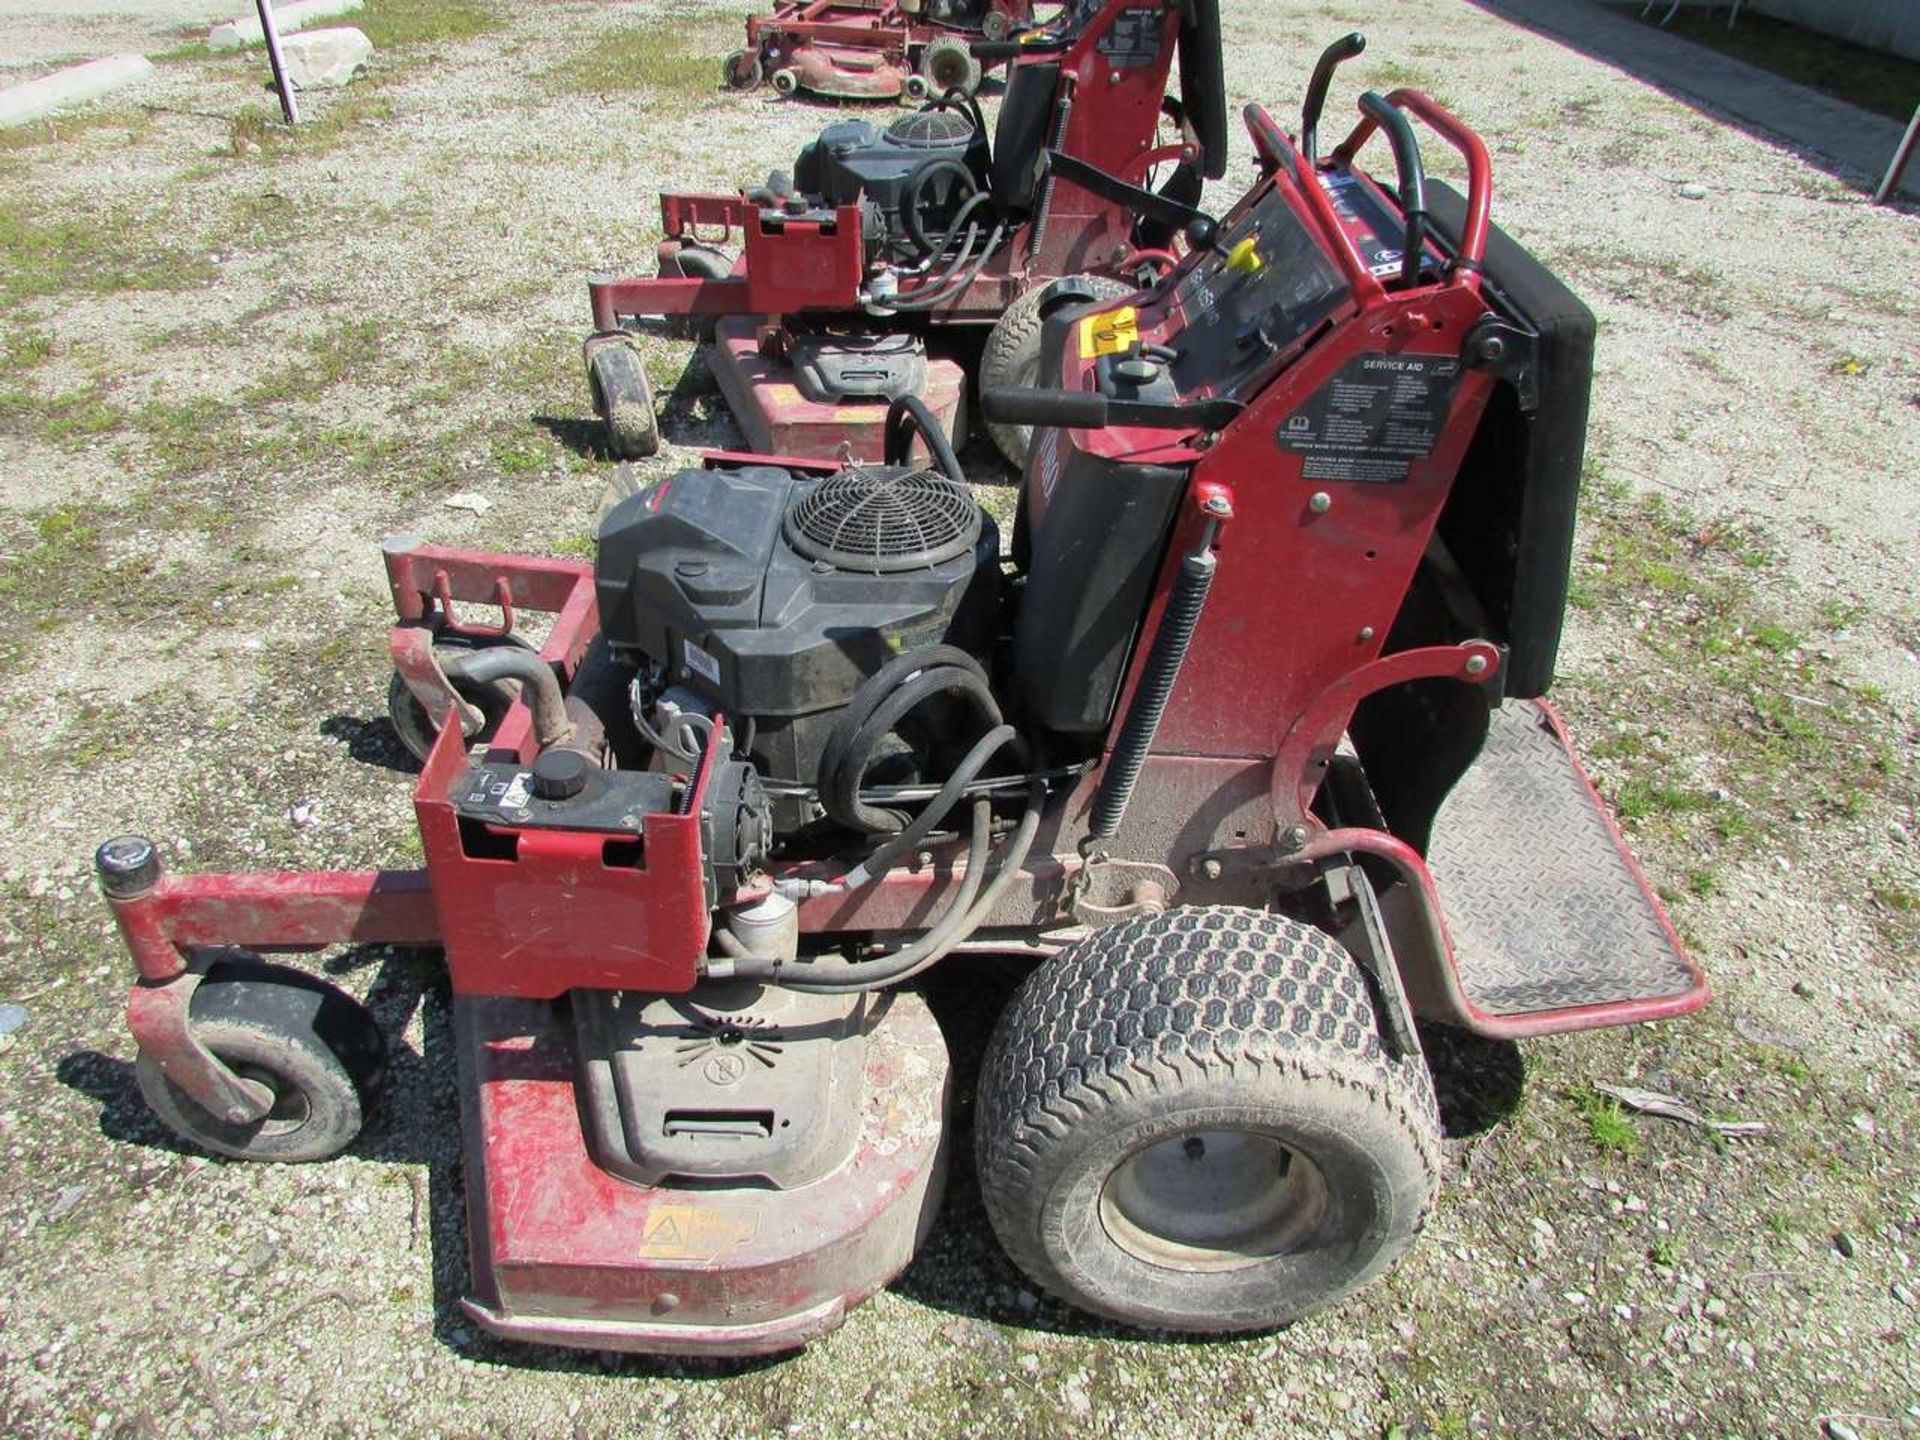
786 82
313 1046
624 401
1187 1121
742 70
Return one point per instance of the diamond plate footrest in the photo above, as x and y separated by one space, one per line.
1544 905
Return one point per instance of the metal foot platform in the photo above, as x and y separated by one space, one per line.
1545 907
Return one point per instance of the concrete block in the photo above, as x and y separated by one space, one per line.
244 30
325 59
75 85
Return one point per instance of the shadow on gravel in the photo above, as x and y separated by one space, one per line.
372 741
1477 1082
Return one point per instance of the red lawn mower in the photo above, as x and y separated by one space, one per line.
873 49
883 237
1240 745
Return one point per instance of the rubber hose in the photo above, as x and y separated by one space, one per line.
972 203
889 853
876 687
510 662
938 943
922 300
833 975
906 415
840 789
910 195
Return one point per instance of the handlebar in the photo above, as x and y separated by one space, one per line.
1413 176
1473 237
1088 410
1331 58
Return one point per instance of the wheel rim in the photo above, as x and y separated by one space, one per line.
290 1110
1212 1200
949 71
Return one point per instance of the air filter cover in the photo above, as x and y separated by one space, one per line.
880 519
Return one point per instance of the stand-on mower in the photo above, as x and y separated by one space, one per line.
872 49
883 236
1241 745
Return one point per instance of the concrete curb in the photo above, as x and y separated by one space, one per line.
73 86
244 30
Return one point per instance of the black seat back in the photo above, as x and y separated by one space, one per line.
1020 137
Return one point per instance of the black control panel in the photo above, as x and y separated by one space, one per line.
1265 284
563 790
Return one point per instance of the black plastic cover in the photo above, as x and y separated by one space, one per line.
1509 523
1097 533
1020 135
1203 84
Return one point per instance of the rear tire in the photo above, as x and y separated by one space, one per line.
1187 1121
1011 359
409 717
315 1046
624 401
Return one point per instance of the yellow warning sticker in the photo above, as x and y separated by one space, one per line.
693 1232
1109 333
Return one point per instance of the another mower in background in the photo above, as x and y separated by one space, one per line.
825 287
1246 753
873 49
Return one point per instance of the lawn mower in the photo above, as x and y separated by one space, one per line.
872 49
1240 746
882 236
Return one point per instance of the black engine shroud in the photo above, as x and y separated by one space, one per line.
773 596
926 161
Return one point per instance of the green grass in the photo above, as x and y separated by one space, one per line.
329 358
1875 80
653 59
101 254
1609 1127
388 23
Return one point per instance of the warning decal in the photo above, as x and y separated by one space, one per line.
1109 332
693 1232
1375 417
1133 39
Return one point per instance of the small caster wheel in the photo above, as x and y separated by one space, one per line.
742 70
948 65
995 26
314 1046
624 401
915 88
787 82
410 720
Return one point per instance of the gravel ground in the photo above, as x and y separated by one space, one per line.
232 361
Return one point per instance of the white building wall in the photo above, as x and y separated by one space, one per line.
1889 25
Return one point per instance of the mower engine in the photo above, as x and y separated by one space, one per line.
772 598
910 179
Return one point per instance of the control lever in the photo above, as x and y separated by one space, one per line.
1088 410
1201 229
1331 59
1413 176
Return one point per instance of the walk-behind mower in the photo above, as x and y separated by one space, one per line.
872 49
1240 745
882 237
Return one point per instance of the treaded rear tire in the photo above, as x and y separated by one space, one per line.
1203 1025
1011 358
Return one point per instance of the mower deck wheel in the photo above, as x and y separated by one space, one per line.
624 401
409 717
915 88
315 1047
742 70
949 65
786 81
1188 1121
1011 359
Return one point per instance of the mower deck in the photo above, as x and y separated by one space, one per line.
1546 909
777 419
567 1253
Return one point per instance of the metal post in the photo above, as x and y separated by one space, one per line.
1898 165
287 106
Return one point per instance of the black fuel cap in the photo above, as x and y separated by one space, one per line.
559 774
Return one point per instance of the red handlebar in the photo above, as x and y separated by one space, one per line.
1473 239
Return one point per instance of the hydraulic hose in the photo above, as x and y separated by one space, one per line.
840 784
510 662
970 909
888 855
910 201
921 299
907 415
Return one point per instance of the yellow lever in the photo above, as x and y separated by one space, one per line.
1245 258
